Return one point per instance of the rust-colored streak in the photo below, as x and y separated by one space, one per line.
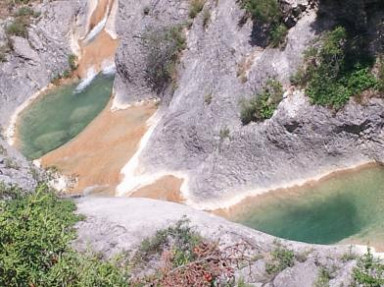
102 48
97 155
166 188
100 12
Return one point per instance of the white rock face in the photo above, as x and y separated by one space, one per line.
301 141
114 225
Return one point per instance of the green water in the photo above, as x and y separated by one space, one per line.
60 115
347 206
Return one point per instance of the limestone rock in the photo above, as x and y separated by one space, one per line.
115 225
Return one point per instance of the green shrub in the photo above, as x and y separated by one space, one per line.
181 238
72 61
4 50
278 35
225 133
263 105
8 192
334 71
323 278
163 48
369 271
26 12
196 7
36 230
282 258
266 11
18 28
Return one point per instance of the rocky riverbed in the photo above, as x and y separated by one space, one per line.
197 134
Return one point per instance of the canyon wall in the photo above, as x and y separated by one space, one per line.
28 67
200 133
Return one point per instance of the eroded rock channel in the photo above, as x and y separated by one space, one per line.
211 105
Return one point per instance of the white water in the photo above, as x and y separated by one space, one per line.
108 67
91 74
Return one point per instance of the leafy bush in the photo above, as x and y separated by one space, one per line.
4 50
72 59
323 278
266 11
334 72
181 236
369 271
163 48
263 105
35 233
278 35
26 12
282 258
269 14
18 28
196 7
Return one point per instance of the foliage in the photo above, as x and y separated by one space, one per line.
263 105
369 271
323 278
163 48
196 7
278 35
181 238
26 12
18 28
266 11
8 192
282 258
72 59
225 133
348 256
35 233
335 71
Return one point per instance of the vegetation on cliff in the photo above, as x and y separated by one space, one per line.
267 13
336 69
36 230
163 47
262 106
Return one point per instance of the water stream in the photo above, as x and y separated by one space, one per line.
349 207
61 114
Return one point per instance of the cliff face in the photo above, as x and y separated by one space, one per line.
29 66
34 61
200 132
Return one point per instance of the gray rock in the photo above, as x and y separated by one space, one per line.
37 60
300 141
15 170
115 225
130 84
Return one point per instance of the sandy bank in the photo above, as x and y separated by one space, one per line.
97 154
166 188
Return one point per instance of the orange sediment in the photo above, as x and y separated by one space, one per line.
99 13
101 49
166 188
97 155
